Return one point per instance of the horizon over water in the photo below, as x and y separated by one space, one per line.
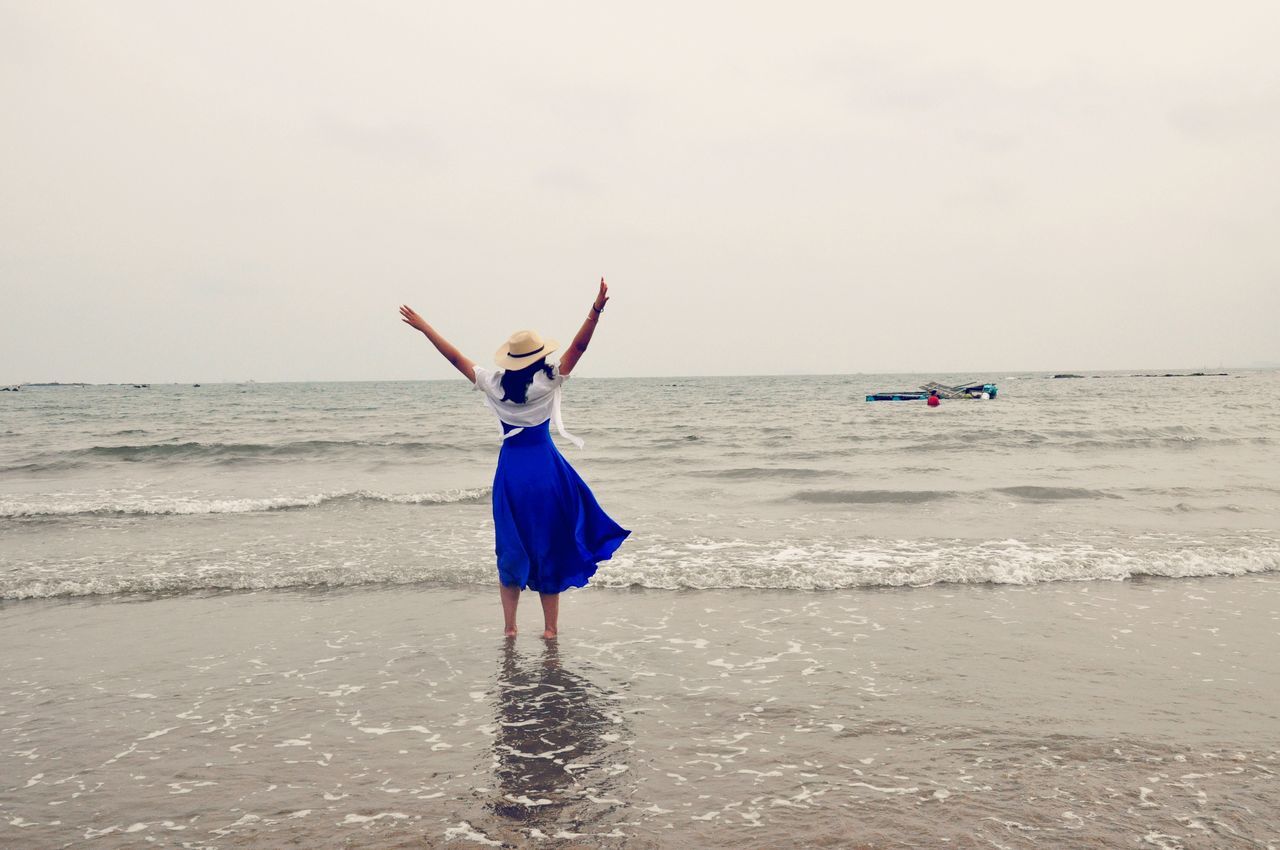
789 482
1080 371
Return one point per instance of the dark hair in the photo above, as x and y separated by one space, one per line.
515 382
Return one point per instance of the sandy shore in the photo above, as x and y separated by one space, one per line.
1060 715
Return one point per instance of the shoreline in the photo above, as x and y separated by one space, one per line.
429 585
368 716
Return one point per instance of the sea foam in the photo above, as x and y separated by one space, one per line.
781 564
112 505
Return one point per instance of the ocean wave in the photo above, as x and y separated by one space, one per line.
195 452
783 565
766 473
1185 508
872 497
1102 439
175 584
1032 493
695 564
184 506
1053 494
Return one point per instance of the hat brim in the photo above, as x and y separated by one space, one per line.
503 357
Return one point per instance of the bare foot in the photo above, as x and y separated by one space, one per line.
550 614
511 632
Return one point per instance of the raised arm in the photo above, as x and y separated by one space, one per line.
570 358
463 364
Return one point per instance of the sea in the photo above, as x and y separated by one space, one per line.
264 615
766 482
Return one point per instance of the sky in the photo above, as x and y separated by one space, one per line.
235 190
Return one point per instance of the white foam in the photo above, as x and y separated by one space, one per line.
244 820
786 563
353 818
158 733
884 790
525 800
823 564
467 832
386 730
113 503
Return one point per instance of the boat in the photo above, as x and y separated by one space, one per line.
969 389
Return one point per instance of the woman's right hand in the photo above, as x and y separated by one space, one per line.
602 297
412 319
456 358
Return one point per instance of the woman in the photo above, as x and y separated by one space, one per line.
550 531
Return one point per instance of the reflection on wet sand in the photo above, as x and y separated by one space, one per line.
557 745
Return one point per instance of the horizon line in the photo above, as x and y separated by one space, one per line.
1048 373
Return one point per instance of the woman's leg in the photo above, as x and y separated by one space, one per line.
510 599
550 614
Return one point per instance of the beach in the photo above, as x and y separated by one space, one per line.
1074 714
255 504
265 615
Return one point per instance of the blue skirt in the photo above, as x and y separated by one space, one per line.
550 530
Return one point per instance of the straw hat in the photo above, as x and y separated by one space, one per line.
524 348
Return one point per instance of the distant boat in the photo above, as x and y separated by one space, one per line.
970 390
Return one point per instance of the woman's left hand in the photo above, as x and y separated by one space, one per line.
602 297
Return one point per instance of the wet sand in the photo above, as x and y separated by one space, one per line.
1093 714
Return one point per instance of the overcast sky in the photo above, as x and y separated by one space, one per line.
231 190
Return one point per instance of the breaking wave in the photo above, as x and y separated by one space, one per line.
216 453
1083 440
1054 494
766 473
1031 493
190 506
697 564
808 565
873 497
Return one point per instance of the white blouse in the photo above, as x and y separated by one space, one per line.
543 401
